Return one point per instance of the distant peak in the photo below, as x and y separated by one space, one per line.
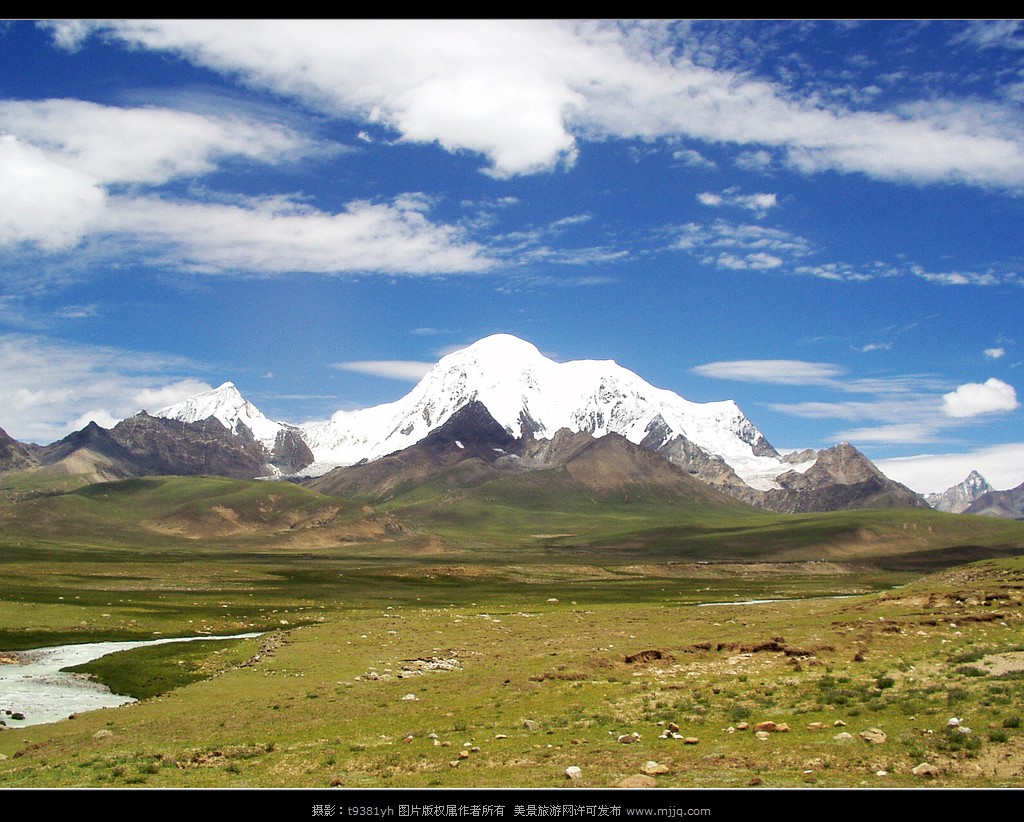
225 386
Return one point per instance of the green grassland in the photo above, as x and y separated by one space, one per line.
526 628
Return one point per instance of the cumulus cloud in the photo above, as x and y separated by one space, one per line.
972 399
523 93
52 388
408 370
43 203
995 353
275 235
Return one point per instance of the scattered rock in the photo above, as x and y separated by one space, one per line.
953 722
653 768
816 726
843 737
638 780
765 726
463 754
762 735
531 725
573 772
627 739
691 740
501 736
742 726
925 769
876 736
410 698
673 727
839 724
102 733
755 781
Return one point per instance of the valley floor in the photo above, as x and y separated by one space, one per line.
517 690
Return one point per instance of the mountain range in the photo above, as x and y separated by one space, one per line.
508 406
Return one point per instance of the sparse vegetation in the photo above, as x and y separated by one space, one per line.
531 637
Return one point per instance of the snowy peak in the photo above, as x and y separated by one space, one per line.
958 498
226 403
531 395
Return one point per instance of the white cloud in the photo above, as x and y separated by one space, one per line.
41 202
152 399
972 399
893 433
741 237
275 235
52 388
1002 465
995 353
759 203
693 159
409 370
522 93
955 277
775 372
759 160
758 262
1008 34
142 145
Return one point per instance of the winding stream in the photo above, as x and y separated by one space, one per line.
37 688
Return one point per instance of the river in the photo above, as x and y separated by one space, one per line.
37 688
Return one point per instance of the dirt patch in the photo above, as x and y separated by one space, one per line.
649 656
999 664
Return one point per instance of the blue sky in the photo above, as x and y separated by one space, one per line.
820 220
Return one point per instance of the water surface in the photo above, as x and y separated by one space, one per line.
42 692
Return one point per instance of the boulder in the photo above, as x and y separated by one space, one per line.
638 780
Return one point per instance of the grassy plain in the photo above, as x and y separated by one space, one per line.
526 632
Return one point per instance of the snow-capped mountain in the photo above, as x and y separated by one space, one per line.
226 403
958 498
529 394
285 449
